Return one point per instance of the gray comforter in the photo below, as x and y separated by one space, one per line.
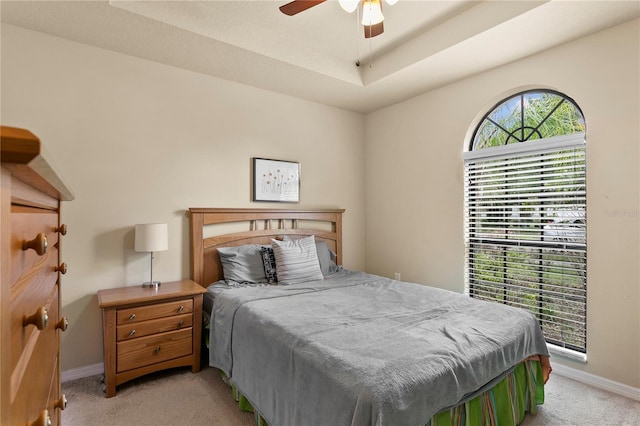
359 349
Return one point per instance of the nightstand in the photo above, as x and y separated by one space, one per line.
147 330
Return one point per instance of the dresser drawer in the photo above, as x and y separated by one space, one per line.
26 224
41 291
35 370
160 325
159 310
153 349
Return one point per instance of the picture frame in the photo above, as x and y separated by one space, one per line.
276 180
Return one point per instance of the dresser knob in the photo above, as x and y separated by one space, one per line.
43 420
156 351
132 333
181 309
181 323
132 316
62 268
62 229
63 324
39 244
61 403
39 318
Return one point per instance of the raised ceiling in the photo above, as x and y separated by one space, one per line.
313 55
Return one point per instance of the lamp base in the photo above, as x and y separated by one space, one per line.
154 284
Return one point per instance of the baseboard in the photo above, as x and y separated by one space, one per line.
82 372
597 381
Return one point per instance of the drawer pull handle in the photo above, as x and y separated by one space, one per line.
181 309
132 333
181 323
39 244
156 351
63 324
132 316
62 229
39 318
62 268
61 403
43 420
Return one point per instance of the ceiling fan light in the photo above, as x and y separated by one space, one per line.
391 2
371 12
349 5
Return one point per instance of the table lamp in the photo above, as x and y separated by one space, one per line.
151 237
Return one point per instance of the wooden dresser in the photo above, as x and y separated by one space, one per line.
30 321
148 329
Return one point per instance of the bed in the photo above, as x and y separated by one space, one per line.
330 346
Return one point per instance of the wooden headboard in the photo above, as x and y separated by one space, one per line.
257 226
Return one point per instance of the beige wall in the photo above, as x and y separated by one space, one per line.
414 206
141 142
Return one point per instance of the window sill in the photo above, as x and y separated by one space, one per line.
567 353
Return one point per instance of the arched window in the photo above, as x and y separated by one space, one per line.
525 212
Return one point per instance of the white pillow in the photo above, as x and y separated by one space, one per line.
297 260
326 257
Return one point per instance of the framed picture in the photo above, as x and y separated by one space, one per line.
276 180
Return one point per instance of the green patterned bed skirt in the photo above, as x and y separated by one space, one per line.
505 404
243 402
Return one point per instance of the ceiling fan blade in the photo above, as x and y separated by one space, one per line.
373 30
297 6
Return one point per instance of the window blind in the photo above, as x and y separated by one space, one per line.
525 232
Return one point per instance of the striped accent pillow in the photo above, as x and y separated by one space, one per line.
297 260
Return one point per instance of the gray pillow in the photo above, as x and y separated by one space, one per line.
297 260
326 258
242 264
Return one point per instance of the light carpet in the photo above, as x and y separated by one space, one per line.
178 397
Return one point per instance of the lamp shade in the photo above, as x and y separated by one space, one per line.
152 237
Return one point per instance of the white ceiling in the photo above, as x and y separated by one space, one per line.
313 55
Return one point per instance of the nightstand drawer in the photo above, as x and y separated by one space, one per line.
159 310
141 329
153 349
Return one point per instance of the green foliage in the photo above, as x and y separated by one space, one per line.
514 278
529 116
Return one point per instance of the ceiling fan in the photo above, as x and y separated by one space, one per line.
371 12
